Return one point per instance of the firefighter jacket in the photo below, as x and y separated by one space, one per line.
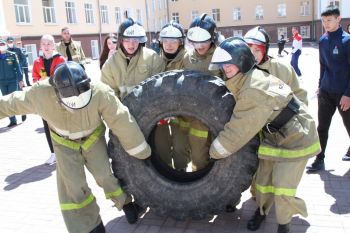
176 63
75 49
286 73
39 73
260 98
75 125
10 70
194 61
122 74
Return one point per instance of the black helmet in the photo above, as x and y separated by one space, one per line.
202 28
258 36
235 51
131 29
172 30
72 85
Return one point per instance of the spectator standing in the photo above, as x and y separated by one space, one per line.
296 50
334 83
11 78
109 48
69 48
281 42
24 63
43 68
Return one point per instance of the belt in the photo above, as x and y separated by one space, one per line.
285 115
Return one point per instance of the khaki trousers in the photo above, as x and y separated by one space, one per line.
276 182
78 205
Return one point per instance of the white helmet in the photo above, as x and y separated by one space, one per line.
202 29
172 30
257 36
131 29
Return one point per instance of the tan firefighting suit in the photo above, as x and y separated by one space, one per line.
123 77
286 73
163 138
78 139
192 128
75 49
283 155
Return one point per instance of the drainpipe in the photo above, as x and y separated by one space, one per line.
99 25
147 14
313 23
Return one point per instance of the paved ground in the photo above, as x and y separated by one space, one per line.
29 203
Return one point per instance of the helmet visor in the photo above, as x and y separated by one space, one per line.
77 102
220 57
198 34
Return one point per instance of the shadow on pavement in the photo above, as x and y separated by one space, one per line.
337 187
29 175
40 130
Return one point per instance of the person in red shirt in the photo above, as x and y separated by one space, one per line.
43 68
296 50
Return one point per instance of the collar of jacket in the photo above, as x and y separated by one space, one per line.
178 57
235 83
133 59
336 33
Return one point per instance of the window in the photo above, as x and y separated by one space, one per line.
89 13
237 14
104 14
70 12
259 12
304 8
22 11
334 3
165 4
216 14
238 33
154 5
305 31
138 16
160 4
95 54
174 0
282 31
282 10
49 11
118 15
160 23
175 17
194 14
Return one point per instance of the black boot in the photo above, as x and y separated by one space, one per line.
99 229
255 222
346 157
132 211
284 228
230 208
317 165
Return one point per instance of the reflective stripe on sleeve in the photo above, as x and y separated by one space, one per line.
276 191
116 193
75 206
220 149
278 152
138 149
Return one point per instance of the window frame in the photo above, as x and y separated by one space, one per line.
72 10
259 15
236 14
104 14
89 13
25 7
216 14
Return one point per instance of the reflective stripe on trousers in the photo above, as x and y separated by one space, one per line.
99 131
186 125
275 190
281 153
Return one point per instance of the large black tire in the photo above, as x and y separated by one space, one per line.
222 182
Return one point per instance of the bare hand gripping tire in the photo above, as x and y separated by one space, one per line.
173 193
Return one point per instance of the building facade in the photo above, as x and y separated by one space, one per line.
91 20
